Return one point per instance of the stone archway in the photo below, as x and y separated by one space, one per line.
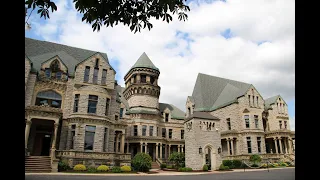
210 156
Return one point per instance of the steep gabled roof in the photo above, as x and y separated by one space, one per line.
268 102
40 51
143 62
120 90
176 113
211 92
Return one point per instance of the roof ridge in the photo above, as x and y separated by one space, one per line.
223 78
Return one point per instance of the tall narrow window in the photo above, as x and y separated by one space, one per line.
92 104
280 124
246 118
58 75
259 144
135 130
121 112
150 130
97 63
182 134
253 105
249 100
143 79
170 133
144 130
86 74
157 131
257 101
76 102
256 121
164 132
104 76
249 145
116 117
73 134
105 147
229 124
89 137
107 107
48 73
189 110
95 76
285 124
166 117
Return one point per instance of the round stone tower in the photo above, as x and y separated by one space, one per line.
141 87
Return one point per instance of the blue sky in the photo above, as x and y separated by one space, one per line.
252 42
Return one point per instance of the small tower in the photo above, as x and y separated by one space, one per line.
141 86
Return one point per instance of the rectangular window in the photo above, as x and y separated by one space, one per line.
259 144
58 75
182 134
249 145
135 130
105 140
257 101
246 118
166 117
92 104
86 74
73 134
95 76
253 101
116 117
144 130
280 124
97 63
89 137
121 112
285 124
164 132
143 79
229 124
48 73
189 110
150 130
76 102
256 121
170 133
249 100
104 76
157 131
107 107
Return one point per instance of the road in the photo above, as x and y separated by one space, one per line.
275 174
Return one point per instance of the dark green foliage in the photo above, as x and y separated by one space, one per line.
116 169
92 169
141 162
227 163
185 169
223 167
236 163
163 166
255 165
205 167
135 14
63 166
178 159
255 158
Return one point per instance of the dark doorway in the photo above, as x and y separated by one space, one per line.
151 152
135 151
46 141
42 144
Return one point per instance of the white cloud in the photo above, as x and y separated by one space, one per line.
269 66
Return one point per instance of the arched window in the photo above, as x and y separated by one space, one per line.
50 98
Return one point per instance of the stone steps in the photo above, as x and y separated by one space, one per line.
154 165
37 164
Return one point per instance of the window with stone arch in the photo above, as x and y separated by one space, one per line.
54 70
49 98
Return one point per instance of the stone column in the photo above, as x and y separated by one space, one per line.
54 138
169 150
117 142
138 78
290 147
232 150
161 151
27 132
165 151
228 146
157 156
285 145
275 145
178 147
280 144
141 147
122 143
145 147
182 148
128 146
237 145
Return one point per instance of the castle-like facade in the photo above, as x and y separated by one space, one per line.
75 111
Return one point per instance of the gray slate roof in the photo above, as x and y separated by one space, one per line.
202 115
143 62
120 90
40 51
211 92
268 102
176 113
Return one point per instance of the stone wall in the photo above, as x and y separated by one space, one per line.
145 101
27 68
30 89
277 114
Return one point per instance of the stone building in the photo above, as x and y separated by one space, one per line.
75 111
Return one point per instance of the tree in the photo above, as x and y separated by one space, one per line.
178 159
134 13
141 162
255 158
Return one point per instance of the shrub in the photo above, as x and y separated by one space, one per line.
243 165
125 168
255 158
177 158
264 165
169 167
236 163
142 162
116 169
227 163
63 166
255 165
288 163
284 164
92 169
163 166
205 167
188 169
223 167
103 168
275 164
79 167
182 169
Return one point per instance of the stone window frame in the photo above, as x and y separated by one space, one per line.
144 130
249 145
170 133
285 124
151 130
95 75
249 97
280 124
72 139
104 76
164 132
245 120
85 133
107 106
92 100
86 77
259 144
135 127
256 121
229 124
182 134
166 117
76 103
121 113
106 139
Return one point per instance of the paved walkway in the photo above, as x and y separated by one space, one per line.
160 173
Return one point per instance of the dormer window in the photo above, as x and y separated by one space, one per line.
166 117
55 66
189 110
97 63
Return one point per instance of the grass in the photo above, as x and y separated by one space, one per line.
108 172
